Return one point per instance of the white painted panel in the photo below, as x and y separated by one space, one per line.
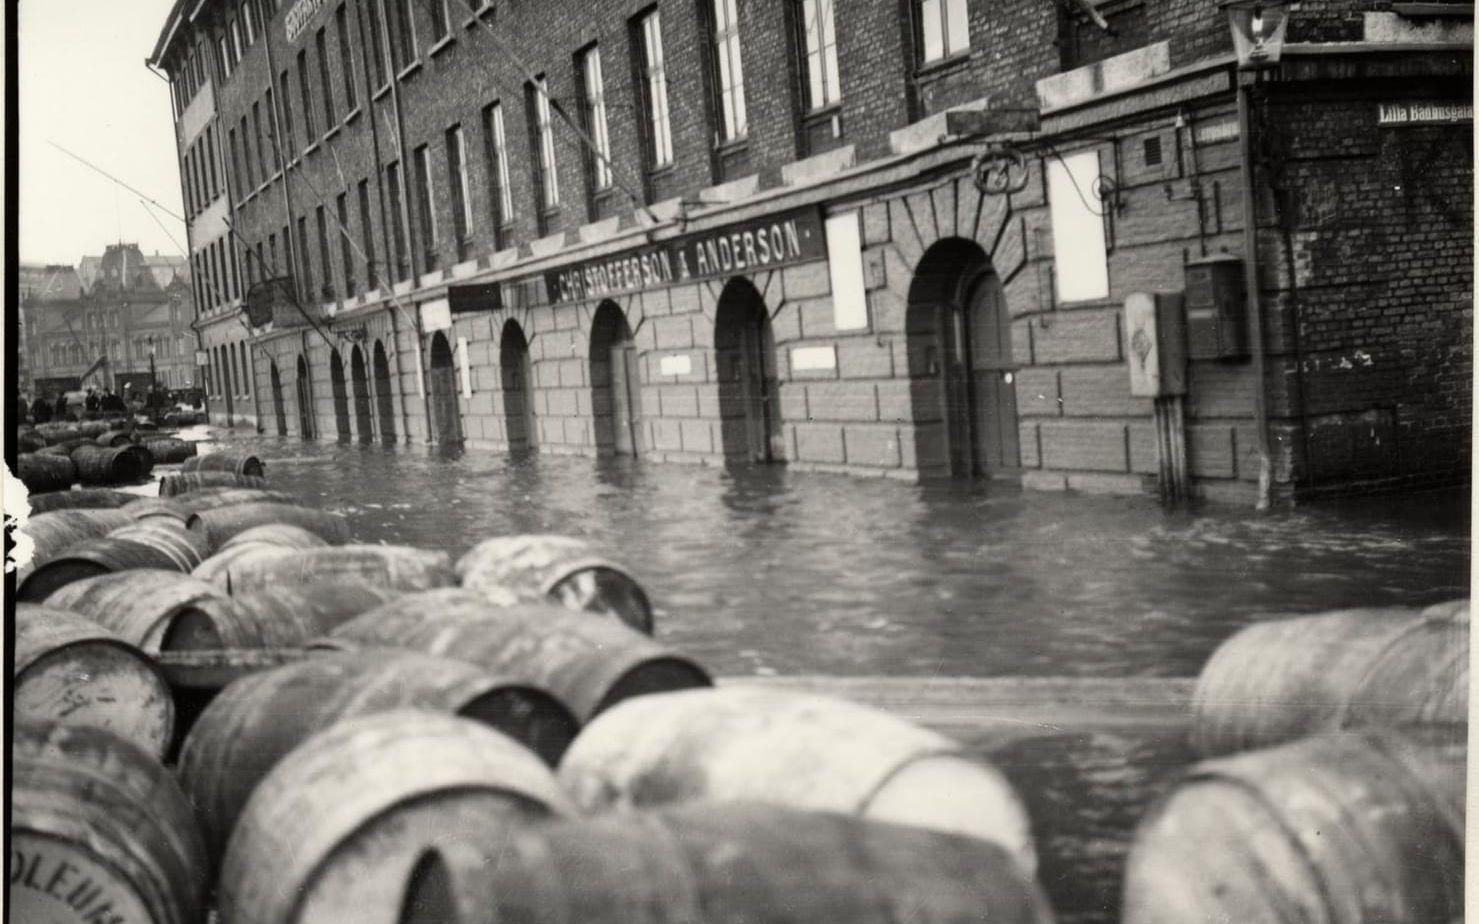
436 315
1080 262
682 364
466 370
804 359
420 372
845 258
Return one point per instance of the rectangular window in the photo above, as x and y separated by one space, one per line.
210 160
262 271
225 52
823 85
944 29
269 107
272 255
228 245
290 146
322 46
346 252
324 263
425 213
246 151
235 178
262 159
346 55
730 76
398 230
457 176
496 153
249 19
544 144
307 91
377 42
305 289
1082 268
405 34
236 48
367 237
594 86
289 267
655 90
438 10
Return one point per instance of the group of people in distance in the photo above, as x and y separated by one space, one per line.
88 405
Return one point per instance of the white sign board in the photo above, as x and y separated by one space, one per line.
845 259
682 364
1081 267
466 369
436 315
811 359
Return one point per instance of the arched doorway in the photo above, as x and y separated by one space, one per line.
744 352
359 378
383 395
306 427
341 394
446 421
961 371
615 384
518 400
277 404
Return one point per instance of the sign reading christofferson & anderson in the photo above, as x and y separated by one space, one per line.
299 16
790 237
1424 113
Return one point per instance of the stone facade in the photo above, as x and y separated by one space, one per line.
960 342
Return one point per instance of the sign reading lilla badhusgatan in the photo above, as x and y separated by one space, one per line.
765 243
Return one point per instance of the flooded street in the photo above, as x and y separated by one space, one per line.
768 571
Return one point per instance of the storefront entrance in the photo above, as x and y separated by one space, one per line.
961 371
445 417
615 384
383 396
341 395
744 352
305 402
360 380
518 403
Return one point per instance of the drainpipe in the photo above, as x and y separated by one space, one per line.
1250 284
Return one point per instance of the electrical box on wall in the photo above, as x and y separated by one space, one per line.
1216 319
1155 342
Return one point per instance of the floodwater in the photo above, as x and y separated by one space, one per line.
763 570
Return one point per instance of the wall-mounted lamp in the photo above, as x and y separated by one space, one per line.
1258 31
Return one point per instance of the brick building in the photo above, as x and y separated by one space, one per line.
902 239
97 324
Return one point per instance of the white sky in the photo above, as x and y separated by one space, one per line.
83 85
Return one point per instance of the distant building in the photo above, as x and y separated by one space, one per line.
100 323
905 238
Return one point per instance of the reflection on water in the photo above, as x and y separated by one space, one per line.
767 570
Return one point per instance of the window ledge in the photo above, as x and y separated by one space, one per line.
443 43
333 131
663 172
381 92
930 69
351 115
825 112
409 69
310 149
733 145
482 12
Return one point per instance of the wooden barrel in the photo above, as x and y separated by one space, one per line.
168 451
60 433
229 462
45 472
589 664
65 448
97 465
284 535
221 523
149 508
1279 680
53 532
560 569
100 832
257 720
796 749
70 669
81 499
30 442
114 438
396 567
143 455
188 482
290 615
334 830
737 862
91 558
157 610
213 498
1340 827
187 549
92 429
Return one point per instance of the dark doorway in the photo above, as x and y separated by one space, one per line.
341 394
961 371
383 398
446 420
518 399
306 427
359 379
277 404
616 384
744 351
